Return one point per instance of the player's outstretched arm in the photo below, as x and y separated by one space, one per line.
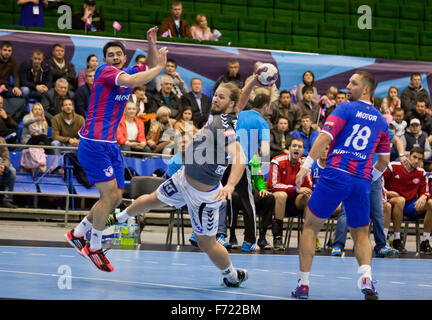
152 53
141 78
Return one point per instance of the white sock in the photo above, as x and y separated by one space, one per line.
122 217
304 278
96 240
82 228
386 232
366 271
231 274
426 236
396 235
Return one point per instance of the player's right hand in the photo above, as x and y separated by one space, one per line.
162 57
301 175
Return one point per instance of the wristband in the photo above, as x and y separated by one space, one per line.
376 174
401 155
308 163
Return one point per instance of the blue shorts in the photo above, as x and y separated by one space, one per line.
101 161
409 209
336 186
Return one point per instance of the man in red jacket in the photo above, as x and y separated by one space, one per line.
289 200
406 190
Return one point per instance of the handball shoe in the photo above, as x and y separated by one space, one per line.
386 252
301 292
368 289
425 247
77 242
336 252
98 258
242 275
222 241
250 247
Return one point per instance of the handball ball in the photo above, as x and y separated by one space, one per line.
267 74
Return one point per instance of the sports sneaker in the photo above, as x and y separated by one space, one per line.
242 276
397 244
263 244
233 240
278 244
386 252
193 240
98 258
368 289
336 252
223 242
250 247
317 246
77 242
301 292
425 247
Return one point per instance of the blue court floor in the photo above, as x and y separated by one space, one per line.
60 273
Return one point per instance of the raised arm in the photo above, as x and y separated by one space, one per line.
152 53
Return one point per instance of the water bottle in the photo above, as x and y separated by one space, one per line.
132 235
124 235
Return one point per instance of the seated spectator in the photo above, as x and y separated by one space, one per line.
390 103
65 126
140 59
82 94
8 127
286 108
200 103
32 13
201 31
60 67
92 64
415 90
232 75
327 102
310 107
308 80
174 26
7 177
398 122
165 97
179 87
421 112
184 123
88 19
130 132
406 190
35 127
280 138
340 97
52 100
271 91
289 201
139 98
415 137
177 161
306 133
161 131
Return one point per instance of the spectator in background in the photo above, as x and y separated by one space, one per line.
88 19
310 107
308 80
340 97
421 112
184 123
139 98
10 90
398 122
8 127
82 95
52 100
232 75
92 64
32 12
415 137
200 30
412 92
7 177
327 102
35 127
390 103
140 59
65 126
60 67
131 133
271 91
280 138
179 87
35 76
174 26
163 123
165 97
286 108
306 133
200 103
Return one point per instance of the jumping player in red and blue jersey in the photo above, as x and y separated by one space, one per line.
98 151
355 131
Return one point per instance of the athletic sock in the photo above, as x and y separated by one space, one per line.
82 228
122 217
366 271
304 278
230 274
426 236
397 235
386 232
96 240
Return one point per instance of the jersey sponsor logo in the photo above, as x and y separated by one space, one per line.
122 97
356 154
109 171
169 188
366 116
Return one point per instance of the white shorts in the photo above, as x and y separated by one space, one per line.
202 208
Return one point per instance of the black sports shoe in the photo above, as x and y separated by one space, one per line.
425 247
397 244
77 242
242 276
278 244
98 258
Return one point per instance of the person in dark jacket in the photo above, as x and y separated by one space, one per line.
410 94
94 19
232 75
421 112
82 95
60 67
35 76
174 24
53 99
280 138
8 127
306 133
200 103
415 137
165 97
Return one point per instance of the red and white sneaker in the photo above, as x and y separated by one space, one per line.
98 258
77 242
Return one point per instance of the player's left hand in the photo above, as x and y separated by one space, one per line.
152 34
301 175
419 204
225 193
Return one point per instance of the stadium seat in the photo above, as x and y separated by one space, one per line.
406 52
426 38
407 37
356 4
385 23
330 45
252 38
251 24
127 3
188 6
305 28
115 13
139 29
6 6
356 47
425 53
313 17
413 12
304 43
353 33
229 35
337 6
279 26
337 19
278 40
312 5
142 16
330 30
382 50
260 3
231 10
159 5
287 4
224 22
412 25
235 2
287 15
207 8
382 35
6 19
262 13
386 10
428 13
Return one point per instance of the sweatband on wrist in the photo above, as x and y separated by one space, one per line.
308 163
376 174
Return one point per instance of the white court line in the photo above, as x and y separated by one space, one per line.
37 254
149 284
344 278
395 282
317 275
424 285
66 256
179 264
125 260
150 261
260 270
8 252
